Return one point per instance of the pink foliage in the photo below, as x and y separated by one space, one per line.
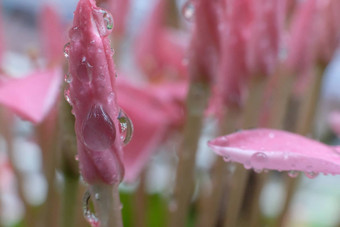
93 97
277 150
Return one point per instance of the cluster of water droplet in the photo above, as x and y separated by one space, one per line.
88 214
259 158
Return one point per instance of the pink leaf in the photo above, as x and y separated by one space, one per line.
278 150
33 96
93 96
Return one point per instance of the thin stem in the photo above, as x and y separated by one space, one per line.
184 185
107 204
140 203
250 119
212 194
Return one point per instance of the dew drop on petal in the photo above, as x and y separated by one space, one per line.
293 173
311 175
89 216
126 127
108 20
226 158
188 10
258 158
98 131
67 50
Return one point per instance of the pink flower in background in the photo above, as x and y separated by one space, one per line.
278 150
92 95
155 111
265 36
159 51
33 96
52 35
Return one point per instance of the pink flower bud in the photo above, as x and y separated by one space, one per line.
92 95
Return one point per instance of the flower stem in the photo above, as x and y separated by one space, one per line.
107 204
184 186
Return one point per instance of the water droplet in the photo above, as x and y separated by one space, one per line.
247 165
126 127
89 216
293 173
67 96
98 131
258 170
258 158
227 158
188 10
68 78
311 175
67 50
108 20
84 70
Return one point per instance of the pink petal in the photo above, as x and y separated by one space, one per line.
153 113
93 96
33 96
265 32
52 34
159 51
301 52
277 150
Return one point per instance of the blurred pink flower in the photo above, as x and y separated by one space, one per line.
33 96
93 97
155 111
278 150
52 35
159 51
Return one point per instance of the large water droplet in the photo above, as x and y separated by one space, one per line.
311 175
99 132
293 173
188 10
126 127
89 216
67 50
108 20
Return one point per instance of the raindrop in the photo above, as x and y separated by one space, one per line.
126 127
98 131
67 50
293 173
188 10
67 96
108 20
227 158
68 78
311 175
259 157
89 216
258 170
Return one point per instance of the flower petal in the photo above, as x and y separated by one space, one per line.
277 150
